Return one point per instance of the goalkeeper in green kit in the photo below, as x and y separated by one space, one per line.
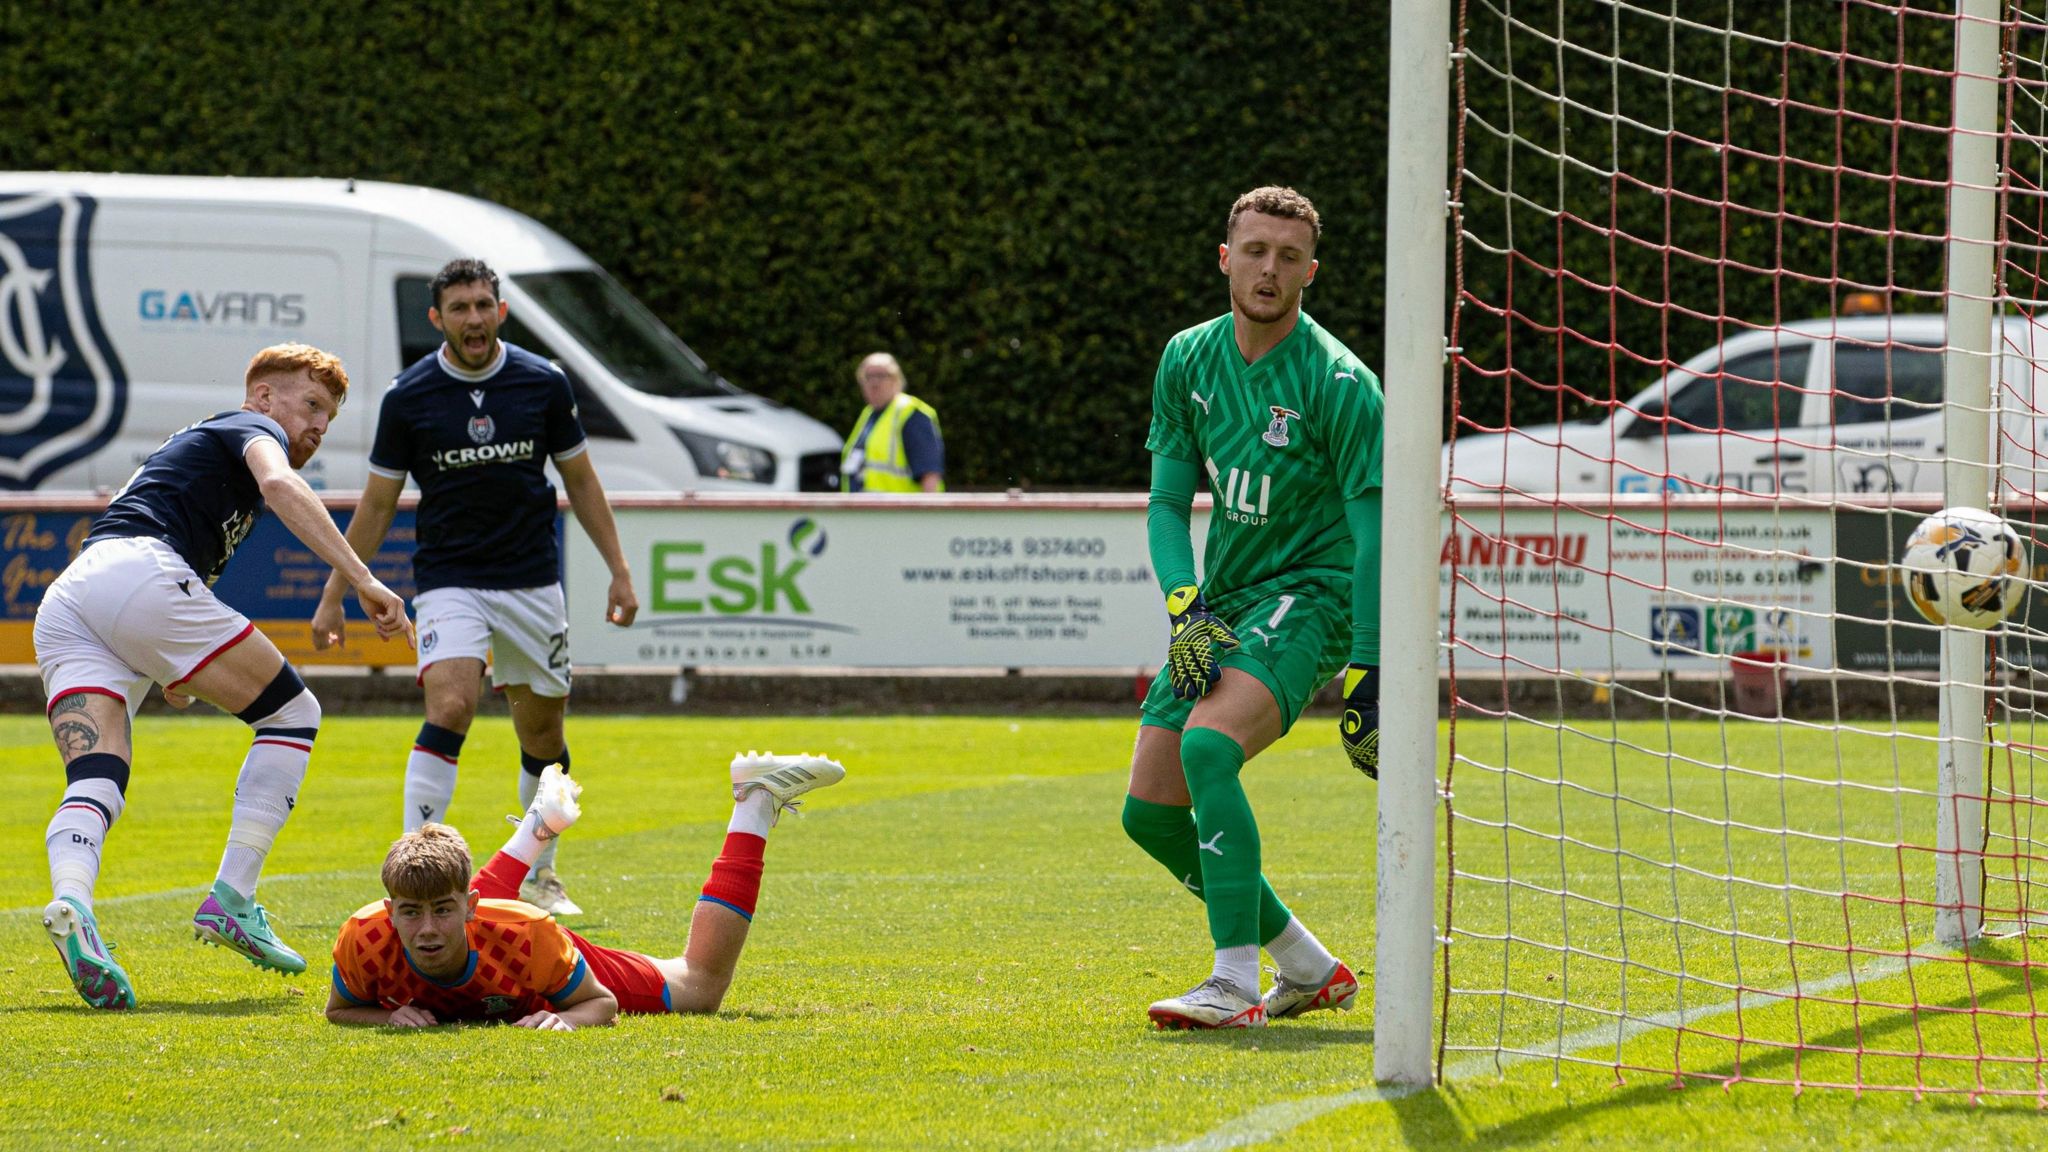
1283 423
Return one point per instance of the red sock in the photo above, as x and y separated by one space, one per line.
501 878
736 875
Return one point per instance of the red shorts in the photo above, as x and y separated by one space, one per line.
633 979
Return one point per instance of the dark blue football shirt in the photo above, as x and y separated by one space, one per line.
195 493
478 446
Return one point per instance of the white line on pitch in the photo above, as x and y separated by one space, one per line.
194 890
1273 1120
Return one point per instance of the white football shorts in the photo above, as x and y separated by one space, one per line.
522 632
127 613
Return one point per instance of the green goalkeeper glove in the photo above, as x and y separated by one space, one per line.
1361 724
1198 640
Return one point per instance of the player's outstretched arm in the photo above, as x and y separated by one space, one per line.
300 509
590 1006
367 527
594 512
340 1011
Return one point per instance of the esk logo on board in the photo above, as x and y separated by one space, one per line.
62 389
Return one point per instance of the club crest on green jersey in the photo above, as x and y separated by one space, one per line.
1276 432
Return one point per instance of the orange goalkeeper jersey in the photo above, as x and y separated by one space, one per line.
520 962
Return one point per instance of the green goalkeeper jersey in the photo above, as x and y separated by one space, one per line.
1284 443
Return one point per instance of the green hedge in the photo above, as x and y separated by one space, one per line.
1021 201
1863 202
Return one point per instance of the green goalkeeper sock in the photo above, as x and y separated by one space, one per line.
1227 836
1167 834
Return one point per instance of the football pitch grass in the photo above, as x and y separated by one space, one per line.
954 949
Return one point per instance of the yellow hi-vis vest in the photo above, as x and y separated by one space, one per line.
885 466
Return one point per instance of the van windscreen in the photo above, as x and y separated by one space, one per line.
631 342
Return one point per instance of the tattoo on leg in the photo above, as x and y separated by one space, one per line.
75 702
76 737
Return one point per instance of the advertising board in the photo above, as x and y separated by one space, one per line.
958 583
1636 589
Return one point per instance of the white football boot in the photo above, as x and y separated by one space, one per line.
1287 999
555 811
1210 1004
784 777
554 801
543 889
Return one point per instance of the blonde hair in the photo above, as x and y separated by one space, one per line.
288 360
883 358
427 863
1274 200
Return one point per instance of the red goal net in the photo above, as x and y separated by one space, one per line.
1742 294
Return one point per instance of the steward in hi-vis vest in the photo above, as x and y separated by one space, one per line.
895 446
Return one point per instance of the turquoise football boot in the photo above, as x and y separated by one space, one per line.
240 926
88 958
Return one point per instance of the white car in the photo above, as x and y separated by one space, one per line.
1818 407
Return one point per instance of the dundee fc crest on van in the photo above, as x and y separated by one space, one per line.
62 390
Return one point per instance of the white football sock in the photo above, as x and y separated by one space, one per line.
429 788
1299 955
267 790
527 844
753 815
529 786
1239 968
76 833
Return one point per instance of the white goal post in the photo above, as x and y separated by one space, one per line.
1966 481
1417 214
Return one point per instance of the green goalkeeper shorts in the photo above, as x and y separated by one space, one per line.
1294 641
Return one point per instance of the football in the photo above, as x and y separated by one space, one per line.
1964 566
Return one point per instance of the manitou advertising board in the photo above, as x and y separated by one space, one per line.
1636 589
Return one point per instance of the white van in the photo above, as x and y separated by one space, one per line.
130 304
1819 407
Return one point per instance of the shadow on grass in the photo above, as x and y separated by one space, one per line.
1428 1119
1271 1039
245 1006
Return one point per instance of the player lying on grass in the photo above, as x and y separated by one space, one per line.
438 950
136 607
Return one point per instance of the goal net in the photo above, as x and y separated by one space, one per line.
1742 292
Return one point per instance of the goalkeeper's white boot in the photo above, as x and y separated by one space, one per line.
1287 999
1210 1004
784 777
